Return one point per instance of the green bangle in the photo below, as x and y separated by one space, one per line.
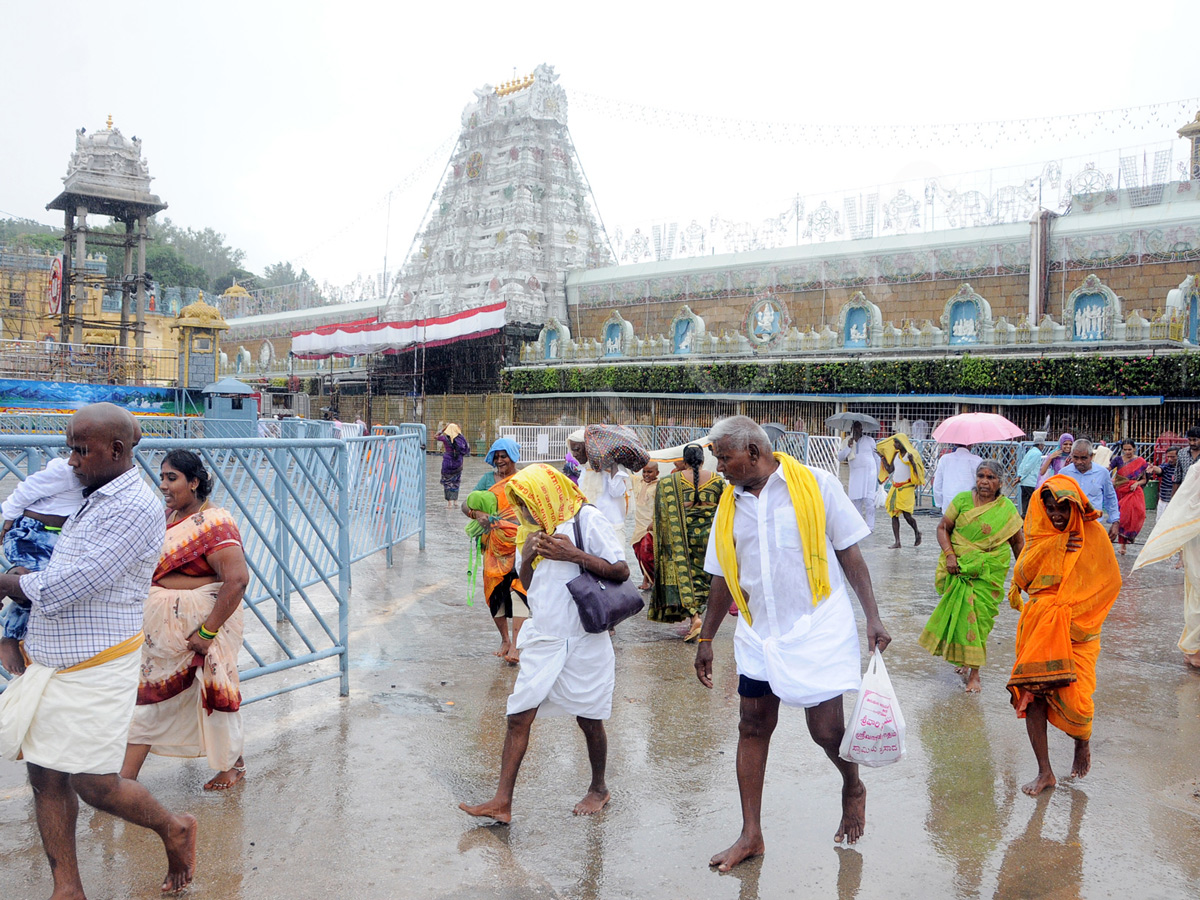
205 633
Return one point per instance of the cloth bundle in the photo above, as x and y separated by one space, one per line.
480 501
609 445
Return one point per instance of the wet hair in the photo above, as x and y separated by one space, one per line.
1194 431
1132 444
992 466
191 466
739 432
1082 444
693 456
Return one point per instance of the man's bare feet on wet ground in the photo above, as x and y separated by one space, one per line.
854 814
505 646
492 809
592 803
181 854
743 849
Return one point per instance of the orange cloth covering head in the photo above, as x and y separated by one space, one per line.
1070 594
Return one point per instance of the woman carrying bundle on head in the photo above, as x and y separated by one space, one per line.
684 506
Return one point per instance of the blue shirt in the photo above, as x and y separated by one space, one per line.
1031 465
1097 485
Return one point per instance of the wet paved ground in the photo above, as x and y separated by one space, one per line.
357 797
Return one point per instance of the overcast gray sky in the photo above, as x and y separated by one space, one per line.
284 125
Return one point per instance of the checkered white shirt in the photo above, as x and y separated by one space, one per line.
91 594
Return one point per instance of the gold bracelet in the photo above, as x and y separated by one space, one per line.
702 640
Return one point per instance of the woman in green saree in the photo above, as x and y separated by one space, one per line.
976 533
684 506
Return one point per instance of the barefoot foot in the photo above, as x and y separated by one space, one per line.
917 542
1042 782
854 814
513 656
223 781
1082 764
180 844
973 683
742 850
895 546
503 651
592 803
493 809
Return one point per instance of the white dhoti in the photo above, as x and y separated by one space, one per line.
817 660
75 722
564 676
182 727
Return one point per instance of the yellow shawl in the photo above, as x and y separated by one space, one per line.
810 515
887 449
550 497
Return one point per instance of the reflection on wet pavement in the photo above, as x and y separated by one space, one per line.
357 797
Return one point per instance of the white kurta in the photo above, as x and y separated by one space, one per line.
955 474
565 670
864 468
808 654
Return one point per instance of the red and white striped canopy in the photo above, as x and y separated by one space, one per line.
372 336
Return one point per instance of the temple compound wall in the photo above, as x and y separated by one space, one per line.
1127 266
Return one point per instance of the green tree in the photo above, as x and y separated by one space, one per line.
167 267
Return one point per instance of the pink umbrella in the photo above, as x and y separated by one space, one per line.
976 428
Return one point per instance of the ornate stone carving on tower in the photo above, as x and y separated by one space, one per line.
513 214
108 164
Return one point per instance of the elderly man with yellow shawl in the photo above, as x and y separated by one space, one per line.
564 669
1071 575
902 462
782 547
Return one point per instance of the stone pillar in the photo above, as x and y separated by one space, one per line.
127 270
64 323
140 316
78 283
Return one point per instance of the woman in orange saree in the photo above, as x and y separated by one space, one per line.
1071 575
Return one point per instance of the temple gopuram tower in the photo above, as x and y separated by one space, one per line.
106 176
513 214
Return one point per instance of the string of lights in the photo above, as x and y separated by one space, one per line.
988 133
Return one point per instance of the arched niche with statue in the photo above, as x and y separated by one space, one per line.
616 337
1092 312
767 322
967 318
551 340
860 323
686 329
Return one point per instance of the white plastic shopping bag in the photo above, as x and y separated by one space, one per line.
875 732
881 495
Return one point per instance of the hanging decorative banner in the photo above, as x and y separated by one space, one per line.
54 294
373 336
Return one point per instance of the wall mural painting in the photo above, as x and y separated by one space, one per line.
612 339
1091 315
858 330
684 334
964 323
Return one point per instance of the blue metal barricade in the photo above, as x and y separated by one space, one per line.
307 509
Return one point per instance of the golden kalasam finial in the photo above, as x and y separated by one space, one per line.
110 121
513 85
